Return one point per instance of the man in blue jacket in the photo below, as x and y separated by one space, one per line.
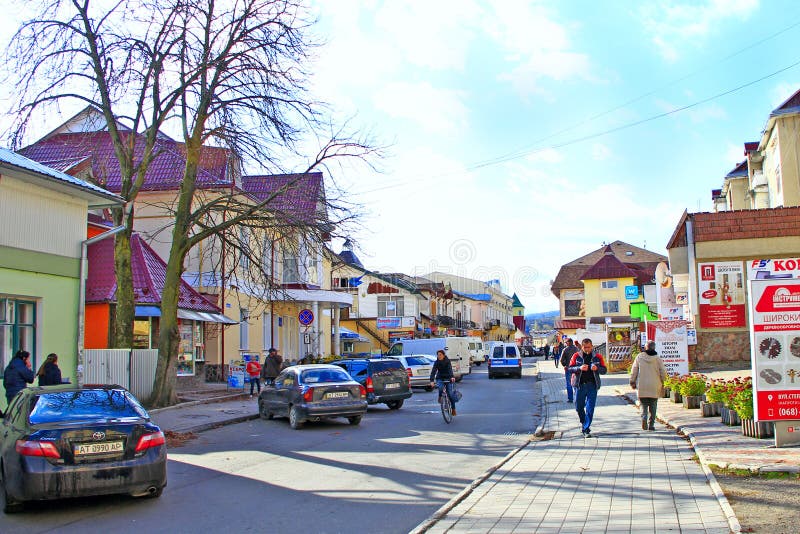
586 367
17 374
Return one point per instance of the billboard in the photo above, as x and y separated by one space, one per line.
721 295
671 344
775 348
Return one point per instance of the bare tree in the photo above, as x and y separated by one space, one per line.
231 74
71 51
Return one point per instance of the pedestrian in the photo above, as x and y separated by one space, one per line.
254 372
566 357
442 377
647 377
586 367
49 374
273 364
18 373
546 351
557 348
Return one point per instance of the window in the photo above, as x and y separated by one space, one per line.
609 284
17 329
390 306
573 308
244 239
291 273
610 306
244 338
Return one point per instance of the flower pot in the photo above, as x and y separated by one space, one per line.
667 392
675 397
729 417
760 429
692 402
710 409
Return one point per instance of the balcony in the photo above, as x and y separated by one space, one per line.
444 320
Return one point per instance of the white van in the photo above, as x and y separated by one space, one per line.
505 360
456 348
477 353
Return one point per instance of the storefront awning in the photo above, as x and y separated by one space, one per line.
216 318
345 333
148 311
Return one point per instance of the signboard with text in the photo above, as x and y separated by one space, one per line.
775 348
773 269
721 296
671 344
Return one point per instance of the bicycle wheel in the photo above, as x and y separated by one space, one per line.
447 413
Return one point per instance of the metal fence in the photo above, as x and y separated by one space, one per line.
133 369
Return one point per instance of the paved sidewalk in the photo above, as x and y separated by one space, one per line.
201 416
623 480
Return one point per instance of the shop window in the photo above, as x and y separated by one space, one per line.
141 334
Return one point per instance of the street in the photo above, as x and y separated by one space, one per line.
386 475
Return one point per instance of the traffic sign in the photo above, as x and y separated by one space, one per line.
306 317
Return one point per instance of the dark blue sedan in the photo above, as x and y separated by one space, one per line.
67 441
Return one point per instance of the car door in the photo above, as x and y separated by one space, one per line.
12 429
284 385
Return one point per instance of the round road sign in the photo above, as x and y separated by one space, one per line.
306 317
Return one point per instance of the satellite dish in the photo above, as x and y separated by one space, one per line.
663 276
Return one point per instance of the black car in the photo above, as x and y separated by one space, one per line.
312 393
67 441
386 380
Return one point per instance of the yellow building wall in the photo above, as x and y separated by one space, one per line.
788 130
595 295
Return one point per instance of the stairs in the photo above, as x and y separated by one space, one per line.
371 331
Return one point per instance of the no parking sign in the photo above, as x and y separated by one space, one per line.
306 317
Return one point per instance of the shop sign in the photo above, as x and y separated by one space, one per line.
775 348
671 344
385 323
721 298
631 292
773 269
236 375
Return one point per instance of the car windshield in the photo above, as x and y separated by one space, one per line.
85 405
316 376
417 360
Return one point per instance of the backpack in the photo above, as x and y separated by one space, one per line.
566 356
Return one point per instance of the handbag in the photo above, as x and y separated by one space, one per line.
573 380
457 394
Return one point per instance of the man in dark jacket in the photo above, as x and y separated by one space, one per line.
587 366
442 375
272 367
17 374
565 358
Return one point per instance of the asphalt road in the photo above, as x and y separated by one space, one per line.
386 475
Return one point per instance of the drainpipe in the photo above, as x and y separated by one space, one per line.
82 295
692 266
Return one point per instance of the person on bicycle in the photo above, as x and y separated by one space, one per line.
442 375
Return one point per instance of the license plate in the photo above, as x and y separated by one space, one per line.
423 372
106 447
337 395
393 385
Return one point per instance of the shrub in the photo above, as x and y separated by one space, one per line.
743 403
672 382
717 390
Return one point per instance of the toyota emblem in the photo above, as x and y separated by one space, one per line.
97 436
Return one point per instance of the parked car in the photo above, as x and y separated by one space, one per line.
456 348
505 360
418 367
68 441
385 379
312 393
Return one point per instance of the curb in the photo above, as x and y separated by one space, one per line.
730 515
464 493
210 426
197 402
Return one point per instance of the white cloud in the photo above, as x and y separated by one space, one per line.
734 154
433 109
674 26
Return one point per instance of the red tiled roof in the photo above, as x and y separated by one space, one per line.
751 146
567 324
608 267
149 274
738 224
791 102
294 194
70 152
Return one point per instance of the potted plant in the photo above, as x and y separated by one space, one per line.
728 412
692 388
672 383
716 390
743 404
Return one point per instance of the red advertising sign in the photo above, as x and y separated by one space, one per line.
775 347
721 302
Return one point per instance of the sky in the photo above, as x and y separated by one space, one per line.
523 135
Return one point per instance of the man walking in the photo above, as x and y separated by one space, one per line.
566 357
647 377
272 366
586 366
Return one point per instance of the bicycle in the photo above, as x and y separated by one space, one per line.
444 402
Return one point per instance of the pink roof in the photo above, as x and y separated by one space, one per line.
68 151
149 273
608 266
295 194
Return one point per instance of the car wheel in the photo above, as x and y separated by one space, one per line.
355 420
394 405
294 418
478 363
429 389
263 412
491 376
9 506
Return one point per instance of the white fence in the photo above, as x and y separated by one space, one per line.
133 369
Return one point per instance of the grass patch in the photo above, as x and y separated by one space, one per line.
746 473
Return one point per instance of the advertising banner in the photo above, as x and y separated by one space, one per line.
671 344
721 295
619 344
236 375
385 323
775 348
773 269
